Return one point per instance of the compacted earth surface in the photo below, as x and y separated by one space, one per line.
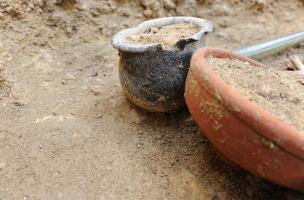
66 130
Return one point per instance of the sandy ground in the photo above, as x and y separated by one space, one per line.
66 130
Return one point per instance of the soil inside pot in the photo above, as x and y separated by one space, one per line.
167 35
280 92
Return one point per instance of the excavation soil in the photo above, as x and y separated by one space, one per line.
278 92
67 131
167 36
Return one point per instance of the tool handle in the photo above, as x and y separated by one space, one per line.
267 48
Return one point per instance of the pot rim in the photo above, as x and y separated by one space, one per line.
119 42
274 129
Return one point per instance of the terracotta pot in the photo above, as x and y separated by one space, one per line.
242 131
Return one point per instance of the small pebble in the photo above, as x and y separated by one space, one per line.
265 91
2 165
96 90
69 76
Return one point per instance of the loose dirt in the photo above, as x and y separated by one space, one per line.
4 87
167 35
278 92
66 131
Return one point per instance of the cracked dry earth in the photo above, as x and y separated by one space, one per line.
66 130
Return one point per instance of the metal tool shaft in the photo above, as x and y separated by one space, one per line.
270 47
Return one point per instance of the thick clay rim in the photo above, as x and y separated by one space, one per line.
118 40
274 129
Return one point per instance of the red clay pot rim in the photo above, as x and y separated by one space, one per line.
283 135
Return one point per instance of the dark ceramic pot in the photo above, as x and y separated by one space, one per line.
151 76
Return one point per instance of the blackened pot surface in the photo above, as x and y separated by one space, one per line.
154 80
